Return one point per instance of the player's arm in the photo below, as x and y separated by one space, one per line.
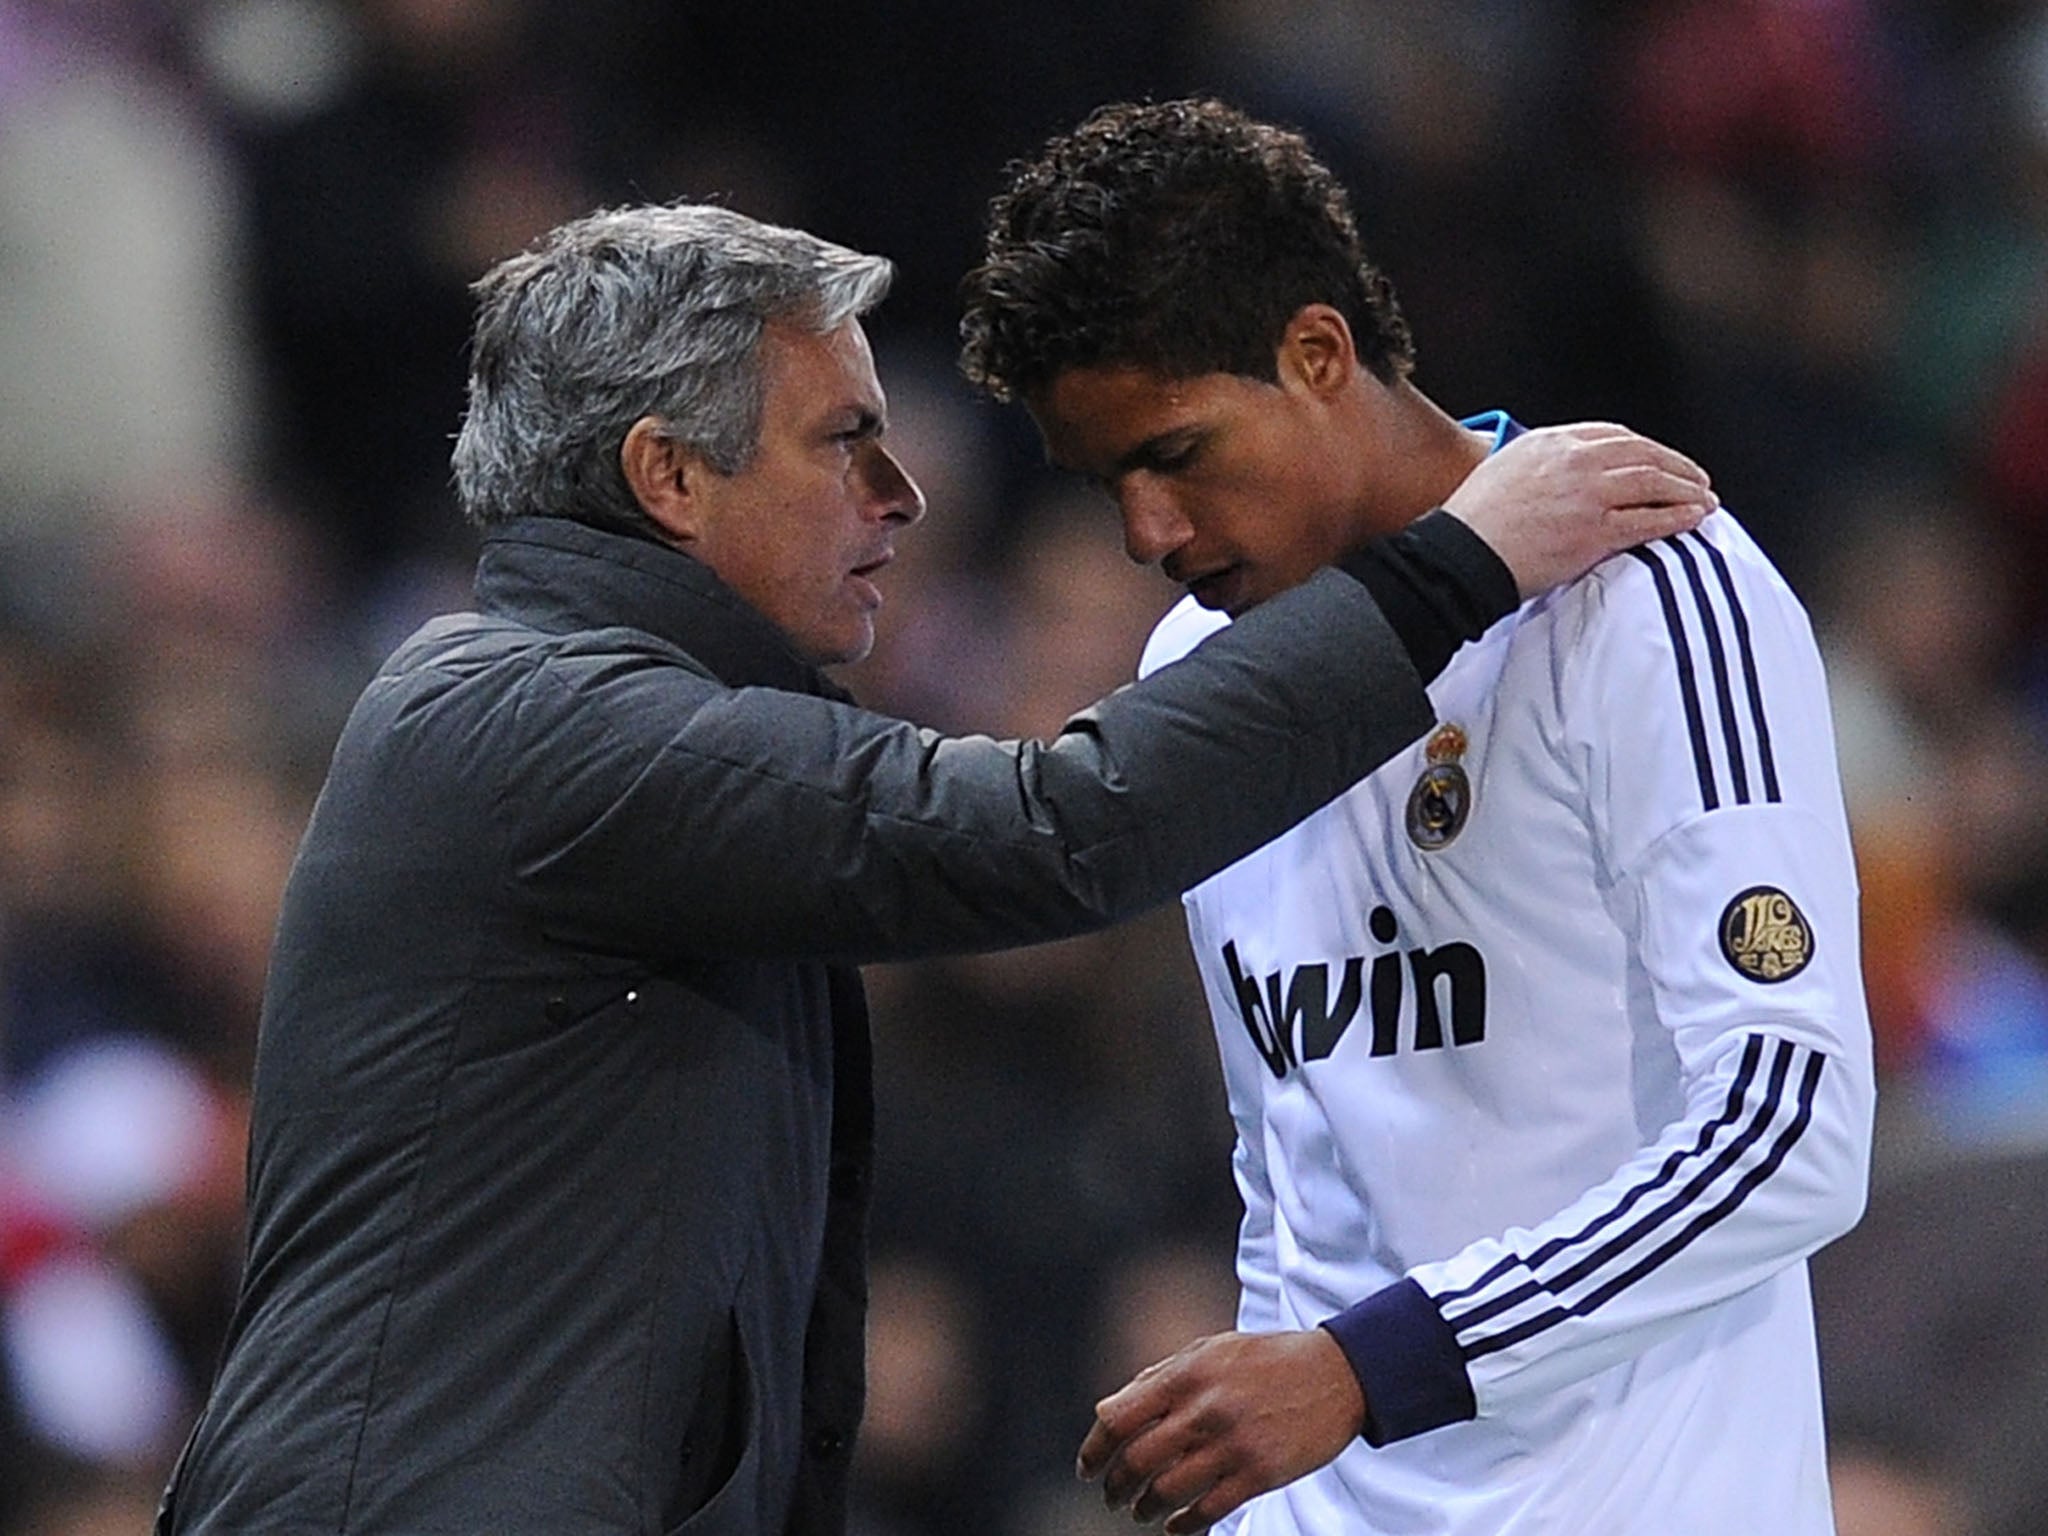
1697 715
1766 1166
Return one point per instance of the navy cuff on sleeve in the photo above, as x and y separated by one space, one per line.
1407 1362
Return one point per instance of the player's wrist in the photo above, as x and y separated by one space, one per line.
1344 1379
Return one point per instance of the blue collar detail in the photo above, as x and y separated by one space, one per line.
1505 428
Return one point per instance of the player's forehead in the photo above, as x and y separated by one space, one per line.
1093 417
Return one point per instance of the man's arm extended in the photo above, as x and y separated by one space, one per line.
836 832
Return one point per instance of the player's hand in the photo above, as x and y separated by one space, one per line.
1557 501
1222 1421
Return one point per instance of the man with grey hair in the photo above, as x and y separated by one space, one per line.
562 1128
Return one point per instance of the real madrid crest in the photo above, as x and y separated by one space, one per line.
1441 801
1765 936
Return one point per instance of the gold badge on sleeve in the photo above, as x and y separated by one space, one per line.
1765 936
1441 801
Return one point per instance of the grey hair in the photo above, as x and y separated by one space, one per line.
655 310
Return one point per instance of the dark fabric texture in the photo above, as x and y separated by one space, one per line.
562 1130
1438 584
1406 1358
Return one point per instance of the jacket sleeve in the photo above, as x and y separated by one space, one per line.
1723 830
650 811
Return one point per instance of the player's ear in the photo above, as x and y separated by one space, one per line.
665 476
1317 351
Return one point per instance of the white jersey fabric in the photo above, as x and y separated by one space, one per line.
1547 1051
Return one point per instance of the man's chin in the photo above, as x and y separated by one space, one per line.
843 648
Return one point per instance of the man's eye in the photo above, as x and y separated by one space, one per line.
1165 461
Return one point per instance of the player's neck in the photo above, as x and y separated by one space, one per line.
1429 452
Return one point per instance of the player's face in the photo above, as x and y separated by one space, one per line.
803 531
1236 488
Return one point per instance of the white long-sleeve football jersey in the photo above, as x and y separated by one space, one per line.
1548 1056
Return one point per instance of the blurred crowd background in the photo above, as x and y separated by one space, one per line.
1804 240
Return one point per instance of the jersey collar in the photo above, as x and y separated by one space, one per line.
1503 427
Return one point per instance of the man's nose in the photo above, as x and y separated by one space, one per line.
1154 526
891 491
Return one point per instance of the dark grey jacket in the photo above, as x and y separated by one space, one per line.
559 1159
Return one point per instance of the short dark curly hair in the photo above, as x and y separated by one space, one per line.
1177 236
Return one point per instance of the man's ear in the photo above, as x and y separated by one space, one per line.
1317 351
665 477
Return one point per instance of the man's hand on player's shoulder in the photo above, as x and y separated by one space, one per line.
1557 501
1222 1421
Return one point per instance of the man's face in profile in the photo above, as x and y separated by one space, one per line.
803 531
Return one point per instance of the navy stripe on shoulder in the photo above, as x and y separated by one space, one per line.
1688 687
1751 680
1694 603
1717 659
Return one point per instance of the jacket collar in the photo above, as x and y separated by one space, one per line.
562 576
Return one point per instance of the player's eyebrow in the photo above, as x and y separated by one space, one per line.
1146 455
